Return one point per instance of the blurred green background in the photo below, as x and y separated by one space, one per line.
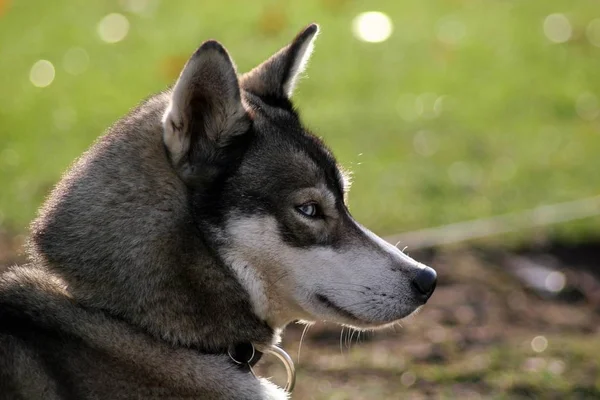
470 108
445 111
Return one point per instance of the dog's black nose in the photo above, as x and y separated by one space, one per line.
425 281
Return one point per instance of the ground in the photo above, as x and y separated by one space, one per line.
483 335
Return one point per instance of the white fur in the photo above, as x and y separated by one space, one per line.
287 278
250 278
270 391
175 139
300 64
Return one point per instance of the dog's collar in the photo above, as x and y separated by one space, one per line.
246 356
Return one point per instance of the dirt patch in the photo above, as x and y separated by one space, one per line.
487 332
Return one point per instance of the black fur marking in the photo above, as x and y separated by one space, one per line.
175 126
271 100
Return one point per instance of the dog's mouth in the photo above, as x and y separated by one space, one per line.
339 310
353 320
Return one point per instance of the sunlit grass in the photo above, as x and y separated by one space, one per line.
467 109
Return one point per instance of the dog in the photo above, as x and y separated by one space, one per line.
208 217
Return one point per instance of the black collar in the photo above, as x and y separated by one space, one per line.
244 355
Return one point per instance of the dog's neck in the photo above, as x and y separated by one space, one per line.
118 231
208 320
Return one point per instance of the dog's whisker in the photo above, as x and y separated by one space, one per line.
351 336
347 336
306 328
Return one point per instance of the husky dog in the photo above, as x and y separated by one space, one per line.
207 218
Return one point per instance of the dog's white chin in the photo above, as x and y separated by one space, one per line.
385 324
372 325
358 325
360 322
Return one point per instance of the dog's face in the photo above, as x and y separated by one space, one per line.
273 197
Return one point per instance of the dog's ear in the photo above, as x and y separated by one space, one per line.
205 106
278 75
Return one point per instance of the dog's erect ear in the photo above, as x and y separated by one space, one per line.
205 103
278 75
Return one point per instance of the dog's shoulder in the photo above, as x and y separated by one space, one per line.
52 347
22 375
27 333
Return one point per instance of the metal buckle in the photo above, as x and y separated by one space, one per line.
289 366
281 355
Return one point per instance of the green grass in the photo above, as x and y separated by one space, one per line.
508 136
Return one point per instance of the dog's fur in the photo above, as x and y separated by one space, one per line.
187 229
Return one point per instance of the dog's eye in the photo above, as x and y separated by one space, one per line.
309 210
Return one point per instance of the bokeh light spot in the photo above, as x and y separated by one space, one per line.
557 367
439 105
557 28
113 28
587 106
555 281
425 105
372 26
593 32
135 6
408 378
451 30
42 73
534 364
539 344
76 61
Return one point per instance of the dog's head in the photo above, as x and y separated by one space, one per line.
271 197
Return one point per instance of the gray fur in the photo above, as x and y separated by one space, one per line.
178 234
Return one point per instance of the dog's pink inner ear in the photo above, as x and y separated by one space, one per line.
279 74
205 102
